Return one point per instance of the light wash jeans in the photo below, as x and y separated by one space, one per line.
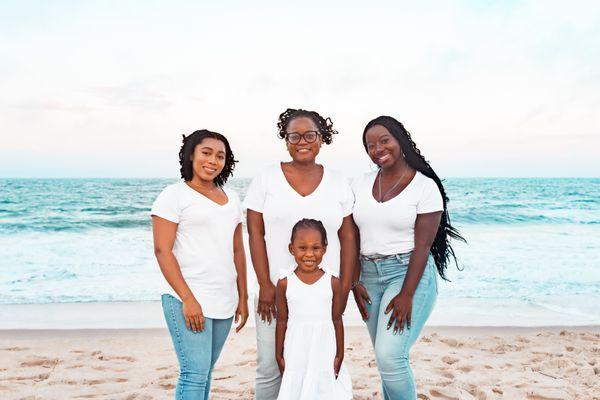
268 378
197 352
383 280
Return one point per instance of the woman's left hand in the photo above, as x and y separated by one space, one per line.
241 314
401 308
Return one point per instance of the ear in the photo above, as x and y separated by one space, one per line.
291 249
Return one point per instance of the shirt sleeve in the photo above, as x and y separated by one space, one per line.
431 198
166 205
240 210
255 196
347 197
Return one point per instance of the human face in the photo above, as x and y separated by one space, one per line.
303 151
208 159
383 149
308 249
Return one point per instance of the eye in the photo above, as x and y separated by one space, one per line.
206 153
385 141
221 157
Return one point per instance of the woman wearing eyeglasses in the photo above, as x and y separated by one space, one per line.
280 196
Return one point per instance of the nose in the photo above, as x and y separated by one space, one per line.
378 147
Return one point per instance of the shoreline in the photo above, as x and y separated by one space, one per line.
149 314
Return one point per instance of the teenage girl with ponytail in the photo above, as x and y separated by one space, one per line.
404 225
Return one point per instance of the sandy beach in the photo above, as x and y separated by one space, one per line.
449 363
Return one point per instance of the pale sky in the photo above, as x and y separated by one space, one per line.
487 88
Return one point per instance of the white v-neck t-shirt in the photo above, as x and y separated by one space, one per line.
281 206
389 228
203 245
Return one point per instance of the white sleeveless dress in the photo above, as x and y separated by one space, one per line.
309 347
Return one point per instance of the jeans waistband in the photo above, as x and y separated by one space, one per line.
381 257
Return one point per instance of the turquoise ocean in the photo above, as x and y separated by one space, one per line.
533 251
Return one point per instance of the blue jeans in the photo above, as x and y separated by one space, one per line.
383 280
197 352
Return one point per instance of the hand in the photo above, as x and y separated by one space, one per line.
266 302
192 311
337 364
361 297
281 364
241 314
401 307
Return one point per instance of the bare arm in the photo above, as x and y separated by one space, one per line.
336 313
239 259
258 253
281 327
361 297
348 255
426 227
164 238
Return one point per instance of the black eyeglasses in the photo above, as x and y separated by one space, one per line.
308 136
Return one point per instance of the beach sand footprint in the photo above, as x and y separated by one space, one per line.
439 393
16 348
39 361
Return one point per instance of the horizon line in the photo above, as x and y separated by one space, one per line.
247 177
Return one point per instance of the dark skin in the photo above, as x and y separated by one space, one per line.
208 161
384 150
308 249
303 175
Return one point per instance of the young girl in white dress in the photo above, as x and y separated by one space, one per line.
309 333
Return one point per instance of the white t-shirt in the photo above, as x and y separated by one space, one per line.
389 227
203 245
281 206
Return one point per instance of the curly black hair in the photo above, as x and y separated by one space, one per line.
325 125
441 250
307 223
187 149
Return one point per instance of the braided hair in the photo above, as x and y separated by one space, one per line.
441 250
187 149
307 223
324 125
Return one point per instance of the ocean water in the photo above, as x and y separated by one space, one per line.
533 244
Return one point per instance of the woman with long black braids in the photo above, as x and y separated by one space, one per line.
404 226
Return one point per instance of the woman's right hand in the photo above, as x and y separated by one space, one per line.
192 311
266 302
280 364
361 297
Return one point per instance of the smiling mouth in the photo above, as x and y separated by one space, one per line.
210 170
383 158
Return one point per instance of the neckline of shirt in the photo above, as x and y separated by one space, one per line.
202 196
310 284
311 194
410 185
